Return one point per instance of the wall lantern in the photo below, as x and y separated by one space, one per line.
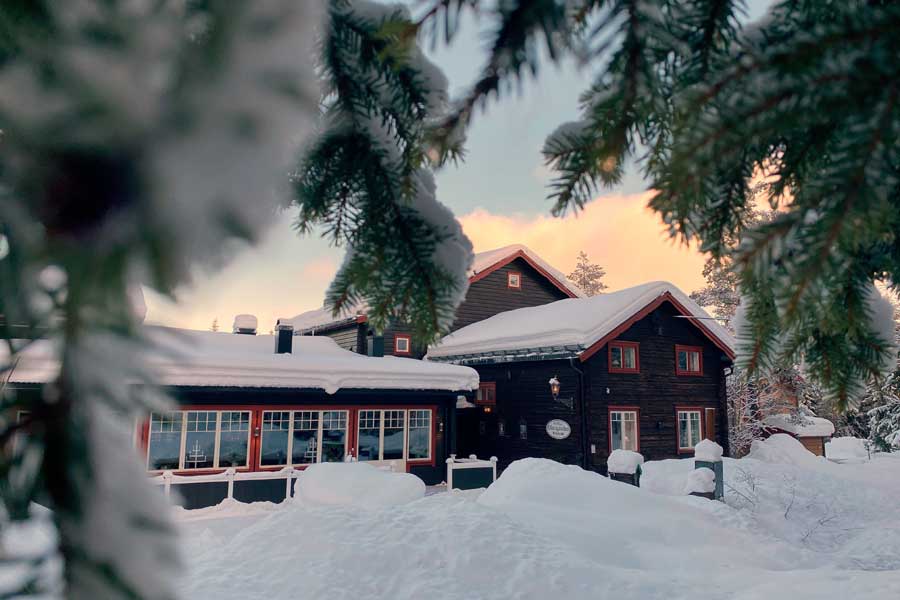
554 390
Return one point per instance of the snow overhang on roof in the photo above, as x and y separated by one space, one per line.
803 426
579 326
183 357
483 264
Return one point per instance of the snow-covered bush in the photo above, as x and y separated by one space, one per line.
884 422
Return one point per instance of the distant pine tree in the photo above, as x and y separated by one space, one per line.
588 276
215 325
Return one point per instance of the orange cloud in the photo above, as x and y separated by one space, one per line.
618 232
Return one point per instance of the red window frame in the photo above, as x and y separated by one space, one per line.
637 425
256 413
687 372
622 345
402 336
485 389
509 282
680 409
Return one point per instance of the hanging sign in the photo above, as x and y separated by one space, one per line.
558 429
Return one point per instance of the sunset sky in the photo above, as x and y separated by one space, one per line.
499 195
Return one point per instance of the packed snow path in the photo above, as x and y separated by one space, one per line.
795 527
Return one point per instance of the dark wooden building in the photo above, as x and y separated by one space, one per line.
642 369
500 280
264 403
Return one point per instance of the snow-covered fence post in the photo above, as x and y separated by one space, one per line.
167 483
494 464
708 455
229 476
449 462
625 466
290 474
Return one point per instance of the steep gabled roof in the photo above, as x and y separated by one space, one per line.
483 264
571 327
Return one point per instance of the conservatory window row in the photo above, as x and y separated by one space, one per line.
198 439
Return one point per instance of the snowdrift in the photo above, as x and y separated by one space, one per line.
357 485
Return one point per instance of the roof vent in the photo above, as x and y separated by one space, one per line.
284 337
245 324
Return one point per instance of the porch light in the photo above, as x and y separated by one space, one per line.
554 387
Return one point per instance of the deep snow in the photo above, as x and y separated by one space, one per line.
794 526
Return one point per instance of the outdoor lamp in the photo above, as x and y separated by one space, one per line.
554 387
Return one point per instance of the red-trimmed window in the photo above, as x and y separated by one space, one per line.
624 429
688 360
689 429
514 280
487 393
198 439
624 357
402 344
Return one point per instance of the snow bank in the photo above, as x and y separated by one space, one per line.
700 481
624 461
783 449
356 485
573 323
846 449
708 451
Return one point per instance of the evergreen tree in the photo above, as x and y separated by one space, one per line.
215 324
588 276
807 96
138 139
884 422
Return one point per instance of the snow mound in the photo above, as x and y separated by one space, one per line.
700 481
782 448
357 485
708 451
805 426
624 461
846 449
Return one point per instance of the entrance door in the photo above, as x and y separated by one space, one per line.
709 427
381 437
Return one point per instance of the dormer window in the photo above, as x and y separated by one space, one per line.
402 344
623 357
514 281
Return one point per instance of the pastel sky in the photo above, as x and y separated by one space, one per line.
498 193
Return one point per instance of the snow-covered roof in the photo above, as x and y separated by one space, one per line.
568 326
483 264
184 357
804 426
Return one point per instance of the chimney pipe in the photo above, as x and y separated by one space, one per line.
284 337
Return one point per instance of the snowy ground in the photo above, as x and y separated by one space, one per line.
794 526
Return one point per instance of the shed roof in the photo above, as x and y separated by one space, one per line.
571 327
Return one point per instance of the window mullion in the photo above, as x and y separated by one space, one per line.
319 436
217 439
183 440
289 459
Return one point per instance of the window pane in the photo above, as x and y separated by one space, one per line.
683 441
695 428
629 361
274 444
305 445
234 437
164 445
200 441
393 434
695 362
629 432
369 435
615 357
334 435
419 434
615 431
682 360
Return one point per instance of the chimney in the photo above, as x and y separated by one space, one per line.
244 324
284 337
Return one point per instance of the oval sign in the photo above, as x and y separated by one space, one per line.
558 429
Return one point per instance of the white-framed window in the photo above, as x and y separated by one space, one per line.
393 434
305 436
198 439
689 428
623 430
514 280
402 344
